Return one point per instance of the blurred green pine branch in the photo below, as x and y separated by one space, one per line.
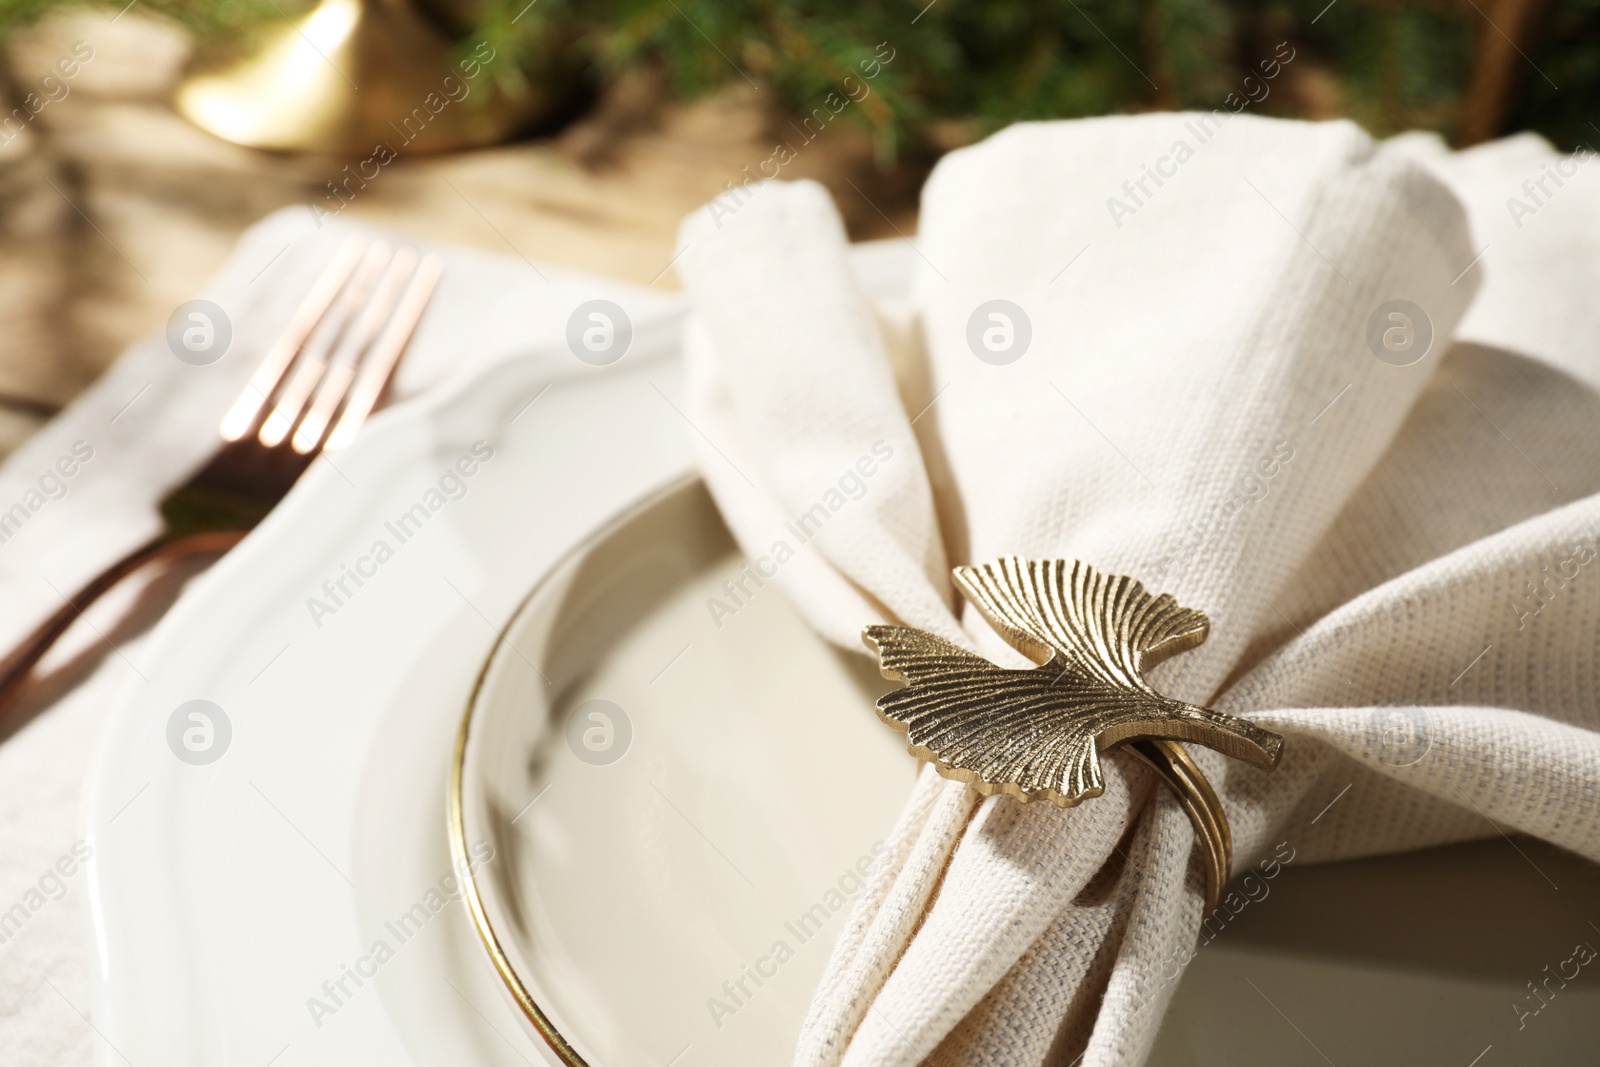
981 64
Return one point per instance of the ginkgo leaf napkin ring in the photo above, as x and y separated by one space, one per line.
1039 732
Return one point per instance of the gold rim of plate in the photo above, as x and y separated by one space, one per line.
459 857
462 862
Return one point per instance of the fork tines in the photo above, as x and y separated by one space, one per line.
347 333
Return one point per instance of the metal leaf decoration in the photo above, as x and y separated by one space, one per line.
1039 732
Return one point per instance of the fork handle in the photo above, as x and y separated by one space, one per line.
16 667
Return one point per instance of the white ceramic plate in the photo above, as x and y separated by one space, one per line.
227 894
677 811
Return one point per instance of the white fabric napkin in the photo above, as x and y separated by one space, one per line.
1395 553
144 427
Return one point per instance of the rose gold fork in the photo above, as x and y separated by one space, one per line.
327 368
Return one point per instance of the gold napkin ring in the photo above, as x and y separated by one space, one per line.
1178 769
1039 732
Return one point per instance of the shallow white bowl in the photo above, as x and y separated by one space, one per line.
663 817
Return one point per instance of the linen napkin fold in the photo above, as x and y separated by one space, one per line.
1192 379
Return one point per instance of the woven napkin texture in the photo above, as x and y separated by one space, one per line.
1395 549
